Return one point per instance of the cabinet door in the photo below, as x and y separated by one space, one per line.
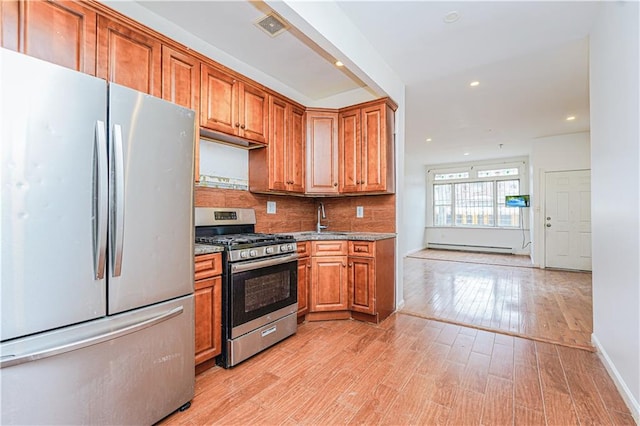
180 78
322 153
254 113
296 151
374 149
362 285
129 57
304 278
62 32
328 284
217 101
278 134
208 318
350 150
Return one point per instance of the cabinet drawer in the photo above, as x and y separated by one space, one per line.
303 248
361 248
328 248
208 265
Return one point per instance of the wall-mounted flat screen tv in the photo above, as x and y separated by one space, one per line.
516 201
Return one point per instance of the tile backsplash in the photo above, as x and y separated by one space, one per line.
300 213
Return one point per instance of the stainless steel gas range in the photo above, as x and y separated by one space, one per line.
259 283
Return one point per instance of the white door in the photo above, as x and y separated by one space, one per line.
568 220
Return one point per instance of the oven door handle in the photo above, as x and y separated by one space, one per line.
272 261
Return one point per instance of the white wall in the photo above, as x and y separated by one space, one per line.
615 159
552 154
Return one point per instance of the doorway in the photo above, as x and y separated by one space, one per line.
567 220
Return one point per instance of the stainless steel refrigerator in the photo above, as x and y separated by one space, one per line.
96 249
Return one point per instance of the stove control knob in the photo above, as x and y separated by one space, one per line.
290 247
253 253
243 254
283 247
269 250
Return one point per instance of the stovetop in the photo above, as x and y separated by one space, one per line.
238 241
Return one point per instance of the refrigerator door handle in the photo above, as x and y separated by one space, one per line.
117 200
101 197
12 359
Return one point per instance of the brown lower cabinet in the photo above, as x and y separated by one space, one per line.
208 309
352 279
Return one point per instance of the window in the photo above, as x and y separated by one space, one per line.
479 203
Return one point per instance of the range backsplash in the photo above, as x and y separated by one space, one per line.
300 214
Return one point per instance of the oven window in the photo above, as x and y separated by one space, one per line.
262 291
266 290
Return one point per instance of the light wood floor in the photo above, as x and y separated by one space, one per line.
547 305
407 370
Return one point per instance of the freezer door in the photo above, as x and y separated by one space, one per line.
130 369
151 185
54 217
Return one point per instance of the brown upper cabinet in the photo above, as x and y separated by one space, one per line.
233 106
322 152
280 167
367 148
129 56
181 85
180 78
61 32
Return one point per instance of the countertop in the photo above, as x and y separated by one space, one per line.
337 235
207 249
311 236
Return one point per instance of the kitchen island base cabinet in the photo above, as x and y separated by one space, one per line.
208 310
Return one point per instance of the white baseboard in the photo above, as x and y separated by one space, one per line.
628 398
400 305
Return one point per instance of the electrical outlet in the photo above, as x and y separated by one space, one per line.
359 211
271 207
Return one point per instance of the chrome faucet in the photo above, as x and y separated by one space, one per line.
321 214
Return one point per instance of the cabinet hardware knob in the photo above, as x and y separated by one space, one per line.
351 265
308 266
237 124
335 184
344 265
242 127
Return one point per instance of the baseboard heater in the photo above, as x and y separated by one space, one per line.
467 247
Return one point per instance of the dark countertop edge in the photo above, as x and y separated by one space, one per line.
328 236
207 249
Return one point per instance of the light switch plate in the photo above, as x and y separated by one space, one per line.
271 207
359 211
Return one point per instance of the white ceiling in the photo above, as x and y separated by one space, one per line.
531 59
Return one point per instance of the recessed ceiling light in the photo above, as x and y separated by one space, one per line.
428 139
339 64
571 118
451 17
474 83
466 153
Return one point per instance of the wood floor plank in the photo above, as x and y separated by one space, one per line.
447 384
476 373
502 361
589 406
527 417
498 406
466 409
528 393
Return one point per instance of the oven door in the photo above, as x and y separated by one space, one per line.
262 291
